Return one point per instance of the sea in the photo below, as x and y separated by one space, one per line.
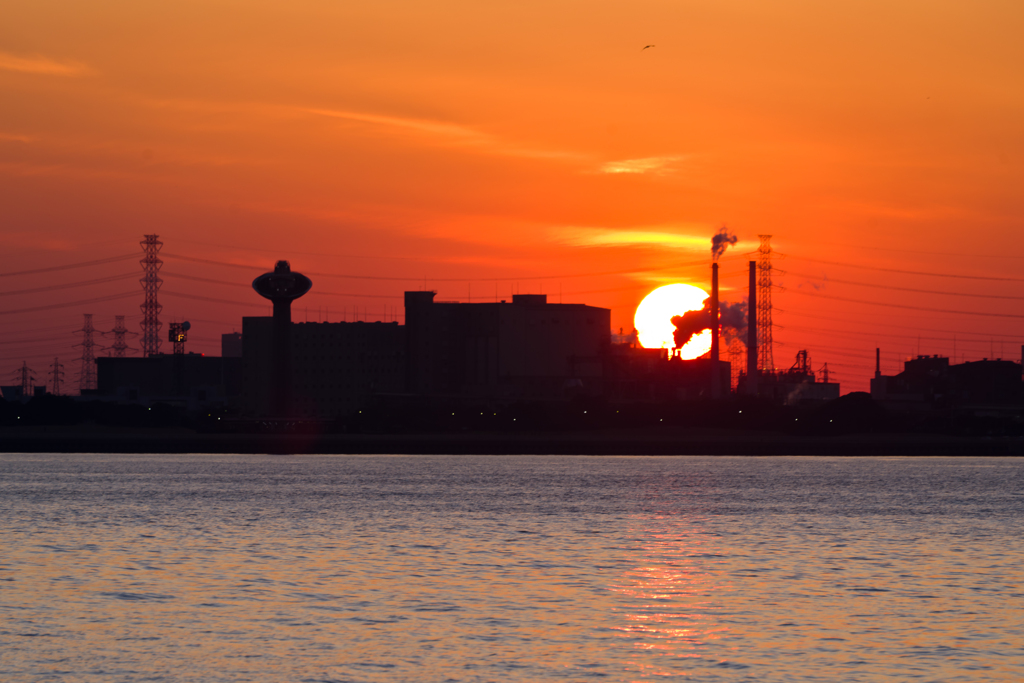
483 568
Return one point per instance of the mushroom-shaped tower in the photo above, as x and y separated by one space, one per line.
282 287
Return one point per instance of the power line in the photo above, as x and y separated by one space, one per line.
845 352
876 335
848 365
69 266
911 308
69 304
987 335
246 285
443 279
910 289
32 341
22 356
81 283
236 247
911 272
214 300
315 292
919 251
214 322
51 328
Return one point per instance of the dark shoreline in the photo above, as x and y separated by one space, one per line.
618 442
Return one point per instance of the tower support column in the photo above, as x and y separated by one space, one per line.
282 287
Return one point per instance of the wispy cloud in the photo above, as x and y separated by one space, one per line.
11 137
450 131
432 131
652 165
42 65
689 237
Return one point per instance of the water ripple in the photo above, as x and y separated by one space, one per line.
364 569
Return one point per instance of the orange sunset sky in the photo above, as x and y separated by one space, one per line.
485 148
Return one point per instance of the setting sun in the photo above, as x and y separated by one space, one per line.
653 319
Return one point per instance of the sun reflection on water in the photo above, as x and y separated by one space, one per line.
673 596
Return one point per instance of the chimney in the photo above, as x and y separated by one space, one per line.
716 389
878 361
714 312
752 331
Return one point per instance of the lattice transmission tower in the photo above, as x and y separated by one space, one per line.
765 361
151 282
56 376
120 333
25 378
87 372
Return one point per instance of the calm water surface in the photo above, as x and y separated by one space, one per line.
333 568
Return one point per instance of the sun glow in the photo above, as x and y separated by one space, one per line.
653 319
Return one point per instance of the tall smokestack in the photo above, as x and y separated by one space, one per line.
716 389
752 330
878 361
714 312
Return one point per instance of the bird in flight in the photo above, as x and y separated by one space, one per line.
645 47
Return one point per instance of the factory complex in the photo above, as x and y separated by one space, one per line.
524 350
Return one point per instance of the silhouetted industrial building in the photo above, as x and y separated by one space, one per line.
194 381
527 349
16 392
335 367
524 350
231 345
633 373
931 383
799 385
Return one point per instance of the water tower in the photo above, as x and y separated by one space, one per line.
282 287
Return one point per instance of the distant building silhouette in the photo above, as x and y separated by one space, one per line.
528 349
231 345
634 373
795 386
931 383
190 380
334 366
16 392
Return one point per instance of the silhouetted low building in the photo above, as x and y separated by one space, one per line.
799 385
931 383
231 345
790 388
526 349
634 373
335 367
15 393
191 380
